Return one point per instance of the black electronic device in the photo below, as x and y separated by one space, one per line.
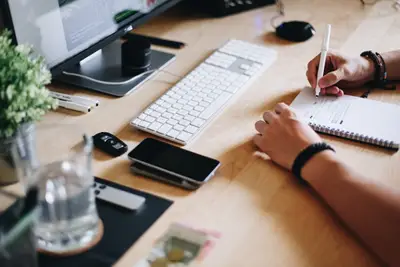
295 31
220 8
162 176
80 39
174 160
109 144
136 56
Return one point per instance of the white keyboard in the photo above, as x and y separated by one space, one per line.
185 109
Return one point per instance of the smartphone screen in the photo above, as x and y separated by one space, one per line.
173 159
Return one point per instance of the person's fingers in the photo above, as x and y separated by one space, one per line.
331 78
333 90
282 108
261 126
269 117
312 70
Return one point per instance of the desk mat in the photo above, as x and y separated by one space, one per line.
121 230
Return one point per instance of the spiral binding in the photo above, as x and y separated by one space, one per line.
354 136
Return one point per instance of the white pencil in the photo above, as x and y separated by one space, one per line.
77 99
74 106
322 60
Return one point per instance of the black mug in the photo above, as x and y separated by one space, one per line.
136 56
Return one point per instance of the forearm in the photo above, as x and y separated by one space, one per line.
392 62
369 210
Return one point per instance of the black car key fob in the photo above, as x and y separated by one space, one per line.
109 144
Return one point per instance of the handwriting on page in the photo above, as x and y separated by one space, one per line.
328 110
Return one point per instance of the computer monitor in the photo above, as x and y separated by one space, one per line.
82 37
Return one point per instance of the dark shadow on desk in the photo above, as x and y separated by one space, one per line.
272 38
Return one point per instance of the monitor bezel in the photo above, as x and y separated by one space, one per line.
124 26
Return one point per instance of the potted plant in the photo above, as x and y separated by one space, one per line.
24 99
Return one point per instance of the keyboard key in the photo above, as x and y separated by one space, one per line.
155 114
173 133
188 108
172 122
201 94
215 106
184 122
144 124
177 106
183 101
217 92
142 116
176 96
183 112
171 101
193 103
179 127
204 104
187 97
199 108
166 105
189 118
148 111
155 126
172 110
198 122
177 117
191 129
160 109
167 115
150 119
184 136
194 113
233 89
162 120
197 99
137 122
164 129
208 99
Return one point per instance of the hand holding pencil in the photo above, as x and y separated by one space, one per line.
339 72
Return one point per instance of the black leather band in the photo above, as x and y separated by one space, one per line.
305 155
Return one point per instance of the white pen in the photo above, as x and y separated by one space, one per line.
74 106
322 60
77 99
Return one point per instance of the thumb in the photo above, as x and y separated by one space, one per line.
331 78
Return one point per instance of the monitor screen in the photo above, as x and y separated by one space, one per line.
60 29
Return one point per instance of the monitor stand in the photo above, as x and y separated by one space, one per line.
105 65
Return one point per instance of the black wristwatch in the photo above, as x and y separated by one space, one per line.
305 155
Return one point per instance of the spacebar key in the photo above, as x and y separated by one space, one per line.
215 106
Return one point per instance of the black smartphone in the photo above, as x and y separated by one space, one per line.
161 176
174 160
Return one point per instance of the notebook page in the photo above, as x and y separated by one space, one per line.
348 113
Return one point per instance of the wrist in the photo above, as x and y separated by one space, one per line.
306 155
317 167
368 68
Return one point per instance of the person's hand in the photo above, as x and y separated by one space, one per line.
282 136
341 72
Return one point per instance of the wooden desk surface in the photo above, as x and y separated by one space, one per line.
265 218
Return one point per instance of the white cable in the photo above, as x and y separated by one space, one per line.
134 78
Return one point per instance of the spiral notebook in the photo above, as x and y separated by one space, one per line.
350 117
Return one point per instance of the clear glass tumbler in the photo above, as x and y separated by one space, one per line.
68 221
